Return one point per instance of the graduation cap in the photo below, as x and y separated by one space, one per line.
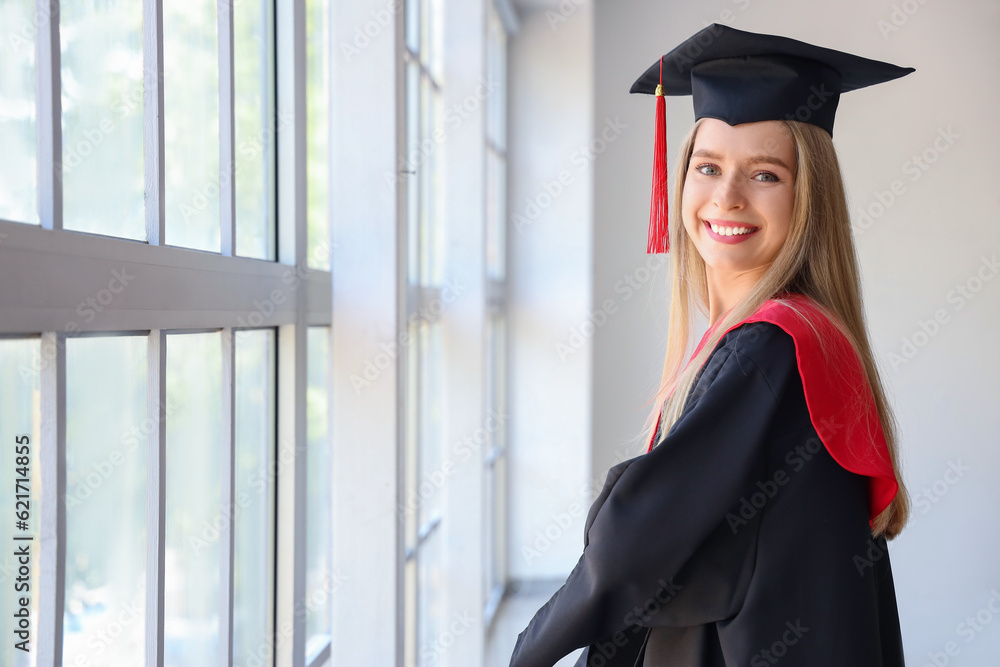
744 77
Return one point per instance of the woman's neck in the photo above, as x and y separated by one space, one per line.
726 289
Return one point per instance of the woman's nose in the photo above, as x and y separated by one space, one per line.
729 192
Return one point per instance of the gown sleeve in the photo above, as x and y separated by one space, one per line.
664 504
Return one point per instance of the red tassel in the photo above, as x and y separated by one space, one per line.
658 240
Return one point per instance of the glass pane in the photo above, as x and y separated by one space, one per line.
106 435
500 97
194 516
499 523
495 215
318 131
489 546
496 54
430 449
410 613
319 499
430 602
433 51
253 59
427 181
500 268
19 414
434 190
253 566
412 25
412 171
191 123
496 501
489 477
408 513
411 470
18 177
102 89
492 53
424 27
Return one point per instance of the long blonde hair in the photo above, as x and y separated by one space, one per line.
818 260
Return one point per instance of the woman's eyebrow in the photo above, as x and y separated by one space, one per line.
769 159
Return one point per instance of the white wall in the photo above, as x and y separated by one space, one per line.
914 253
367 424
549 273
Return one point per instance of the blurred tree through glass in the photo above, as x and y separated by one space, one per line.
253 541
191 568
318 44
18 169
106 439
191 123
319 497
255 126
102 105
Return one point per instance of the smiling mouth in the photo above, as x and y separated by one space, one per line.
730 230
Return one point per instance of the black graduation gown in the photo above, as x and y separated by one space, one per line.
738 540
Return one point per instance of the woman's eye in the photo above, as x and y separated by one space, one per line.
766 176
701 168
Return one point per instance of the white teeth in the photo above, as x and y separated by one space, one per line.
730 231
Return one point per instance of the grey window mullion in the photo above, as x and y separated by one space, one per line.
52 524
152 109
227 505
290 627
291 484
48 100
227 131
267 128
52 457
156 499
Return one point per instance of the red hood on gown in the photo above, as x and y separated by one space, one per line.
840 401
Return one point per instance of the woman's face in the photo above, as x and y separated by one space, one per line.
738 193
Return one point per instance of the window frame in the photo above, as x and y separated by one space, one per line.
499 13
424 224
48 272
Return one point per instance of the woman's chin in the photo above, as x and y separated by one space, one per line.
722 264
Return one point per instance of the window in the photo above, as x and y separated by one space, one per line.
495 487
102 110
105 476
423 447
156 339
18 178
195 511
318 110
20 401
253 549
319 583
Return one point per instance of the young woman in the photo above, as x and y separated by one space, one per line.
754 530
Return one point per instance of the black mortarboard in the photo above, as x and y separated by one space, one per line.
744 77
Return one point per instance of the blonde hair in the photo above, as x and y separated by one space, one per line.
818 260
